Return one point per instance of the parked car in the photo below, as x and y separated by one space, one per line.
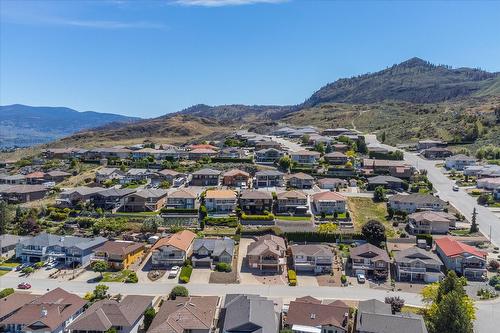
24 285
173 272
361 278
20 267
455 188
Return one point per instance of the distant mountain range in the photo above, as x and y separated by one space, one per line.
23 125
410 100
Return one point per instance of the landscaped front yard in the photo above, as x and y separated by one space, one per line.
119 276
293 218
365 209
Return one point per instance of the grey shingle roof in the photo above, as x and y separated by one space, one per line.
82 243
249 313
216 245
415 253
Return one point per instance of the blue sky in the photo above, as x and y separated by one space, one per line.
148 58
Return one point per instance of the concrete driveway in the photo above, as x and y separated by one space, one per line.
307 280
200 275
246 277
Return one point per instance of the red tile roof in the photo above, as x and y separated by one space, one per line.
453 248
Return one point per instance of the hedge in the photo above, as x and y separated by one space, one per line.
231 160
179 210
268 217
292 277
221 221
262 231
311 236
185 274
6 292
223 267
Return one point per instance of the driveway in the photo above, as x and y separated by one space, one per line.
200 275
307 280
246 277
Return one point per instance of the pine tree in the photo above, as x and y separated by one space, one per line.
474 227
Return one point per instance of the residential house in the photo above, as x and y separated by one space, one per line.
49 313
414 202
172 250
269 178
329 202
35 178
202 146
374 316
144 200
437 153
137 175
256 202
268 252
336 158
249 314
108 153
105 174
220 201
69 250
307 314
231 152
59 153
56 176
312 258
23 193
236 178
488 183
426 144
305 157
207 252
198 154
369 260
119 254
376 150
75 195
335 131
387 182
430 222
341 147
331 183
269 155
13 303
292 202
193 314
111 198
13 179
464 259
174 178
393 168
301 180
206 177
182 199
480 171
157 154
459 162
124 316
267 145
315 139
9 242
416 264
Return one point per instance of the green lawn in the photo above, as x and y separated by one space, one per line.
115 276
9 264
136 213
293 218
2 273
461 232
364 209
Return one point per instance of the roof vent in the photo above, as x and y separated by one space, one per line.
313 316
43 312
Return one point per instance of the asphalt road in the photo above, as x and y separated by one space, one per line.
460 199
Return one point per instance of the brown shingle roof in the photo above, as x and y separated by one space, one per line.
369 251
328 196
120 248
218 194
14 302
311 313
51 309
185 313
181 240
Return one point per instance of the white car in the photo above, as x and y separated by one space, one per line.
361 278
455 188
173 272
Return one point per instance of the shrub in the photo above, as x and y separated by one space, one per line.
185 274
494 265
267 217
149 315
292 277
223 267
132 278
343 279
178 291
495 281
6 292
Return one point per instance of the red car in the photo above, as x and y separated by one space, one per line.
24 285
